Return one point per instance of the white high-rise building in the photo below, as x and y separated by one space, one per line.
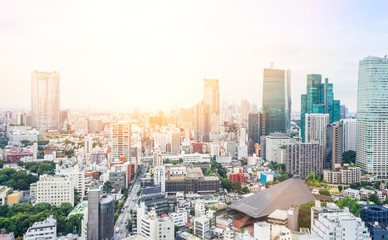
121 135
372 116
45 99
152 227
244 110
211 98
55 190
77 177
160 177
46 229
316 126
349 134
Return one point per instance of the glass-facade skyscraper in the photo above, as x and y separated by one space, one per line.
372 116
319 98
277 100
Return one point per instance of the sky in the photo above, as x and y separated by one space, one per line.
118 55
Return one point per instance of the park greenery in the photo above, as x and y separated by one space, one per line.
349 157
18 180
45 167
18 218
304 217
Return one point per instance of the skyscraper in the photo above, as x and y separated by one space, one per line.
318 99
45 100
333 145
372 116
121 135
277 100
316 128
100 214
201 122
256 126
211 97
349 134
244 110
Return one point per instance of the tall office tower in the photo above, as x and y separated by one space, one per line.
318 99
349 134
303 158
186 121
277 100
211 97
244 110
372 116
63 118
256 126
121 135
175 143
343 111
316 127
201 122
45 100
333 145
100 214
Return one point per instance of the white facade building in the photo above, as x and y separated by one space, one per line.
202 226
273 144
349 134
46 229
54 190
179 218
45 100
316 126
160 177
341 225
78 179
196 158
156 228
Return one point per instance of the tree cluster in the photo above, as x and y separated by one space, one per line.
46 167
18 180
18 218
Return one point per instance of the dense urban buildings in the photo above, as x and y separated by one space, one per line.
277 100
349 134
318 99
372 116
45 99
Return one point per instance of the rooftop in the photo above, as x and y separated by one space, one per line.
281 196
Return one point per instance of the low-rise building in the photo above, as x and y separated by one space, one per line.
202 226
345 175
46 229
14 198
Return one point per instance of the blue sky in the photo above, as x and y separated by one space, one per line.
119 55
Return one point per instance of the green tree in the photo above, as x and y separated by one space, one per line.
349 157
107 187
236 186
209 172
226 184
324 192
138 193
116 216
245 190
340 188
375 199
129 225
351 204
304 218
22 185
192 212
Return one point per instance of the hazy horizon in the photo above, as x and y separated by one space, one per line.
155 54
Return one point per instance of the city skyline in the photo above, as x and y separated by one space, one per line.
170 47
